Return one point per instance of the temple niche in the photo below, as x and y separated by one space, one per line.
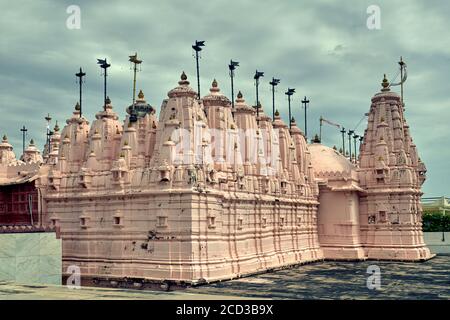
206 192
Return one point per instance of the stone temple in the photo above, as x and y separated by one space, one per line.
206 192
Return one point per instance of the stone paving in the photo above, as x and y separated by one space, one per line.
344 280
327 280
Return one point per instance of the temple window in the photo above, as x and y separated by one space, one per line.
211 222
164 176
161 222
263 222
240 223
83 222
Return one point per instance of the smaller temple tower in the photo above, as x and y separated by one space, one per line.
391 175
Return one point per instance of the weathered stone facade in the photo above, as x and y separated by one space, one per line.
207 192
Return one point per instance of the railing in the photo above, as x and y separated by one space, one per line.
436 202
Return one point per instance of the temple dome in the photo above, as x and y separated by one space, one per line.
328 160
183 89
215 97
140 107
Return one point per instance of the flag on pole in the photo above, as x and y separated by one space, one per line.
329 122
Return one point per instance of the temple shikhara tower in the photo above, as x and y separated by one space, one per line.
204 192
391 174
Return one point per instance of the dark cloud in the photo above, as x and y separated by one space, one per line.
321 48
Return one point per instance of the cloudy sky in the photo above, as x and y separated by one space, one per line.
322 48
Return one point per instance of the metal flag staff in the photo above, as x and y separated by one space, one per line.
273 83
80 76
403 77
289 93
135 61
198 47
305 105
343 131
24 132
104 65
258 74
322 120
232 66
350 133
49 133
355 137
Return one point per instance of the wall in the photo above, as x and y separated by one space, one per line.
338 225
30 258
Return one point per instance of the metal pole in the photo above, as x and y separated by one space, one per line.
104 65
320 129
401 63
305 103
48 118
232 88
104 94
354 141
134 83
289 103
289 93
197 47
24 130
81 108
198 73
273 102
273 83
306 122
257 101
80 75
343 140
231 67
350 132
258 74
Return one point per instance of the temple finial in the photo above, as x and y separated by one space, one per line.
141 95
385 84
214 83
316 139
239 95
56 128
183 76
